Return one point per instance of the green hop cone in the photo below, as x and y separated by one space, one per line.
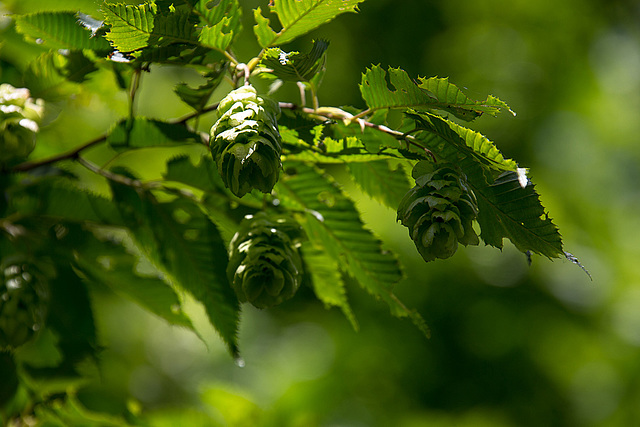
245 141
23 302
439 211
19 117
265 267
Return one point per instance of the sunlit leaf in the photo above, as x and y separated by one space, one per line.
424 94
59 30
298 17
131 26
221 22
295 66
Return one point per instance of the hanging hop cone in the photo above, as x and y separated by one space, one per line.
23 302
439 211
19 117
265 267
245 142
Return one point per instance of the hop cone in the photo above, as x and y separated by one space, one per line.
439 211
265 267
245 142
19 115
23 302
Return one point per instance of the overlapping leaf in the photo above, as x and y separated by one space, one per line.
295 66
380 181
334 224
505 208
221 23
108 263
184 244
142 132
59 30
53 75
425 94
298 17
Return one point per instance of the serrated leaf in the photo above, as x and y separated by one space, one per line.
421 95
221 23
327 281
453 100
449 137
59 198
333 223
108 263
505 209
59 30
298 17
142 132
195 259
53 75
508 210
295 66
131 26
197 97
380 181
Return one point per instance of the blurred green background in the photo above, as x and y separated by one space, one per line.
511 345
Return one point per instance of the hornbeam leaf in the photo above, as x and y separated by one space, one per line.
447 135
52 74
298 17
422 95
327 280
295 66
453 100
59 198
184 244
333 223
131 26
144 132
505 208
59 30
221 23
380 181
109 264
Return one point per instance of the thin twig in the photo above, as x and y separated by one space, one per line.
409 139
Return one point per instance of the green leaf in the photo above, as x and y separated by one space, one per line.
505 209
298 17
59 198
144 132
131 26
198 97
508 210
295 66
425 95
453 141
380 181
221 23
453 100
108 263
184 244
333 223
59 30
327 280
53 75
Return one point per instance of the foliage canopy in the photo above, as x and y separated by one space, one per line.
251 214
